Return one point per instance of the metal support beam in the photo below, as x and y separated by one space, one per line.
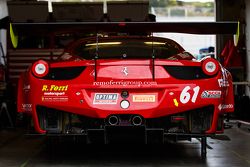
3 32
203 147
247 44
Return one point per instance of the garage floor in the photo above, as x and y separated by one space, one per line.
17 149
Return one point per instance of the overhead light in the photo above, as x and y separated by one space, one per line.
50 8
103 43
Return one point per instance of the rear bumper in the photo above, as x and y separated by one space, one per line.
205 120
126 134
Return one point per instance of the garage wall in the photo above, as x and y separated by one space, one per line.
232 10
228 10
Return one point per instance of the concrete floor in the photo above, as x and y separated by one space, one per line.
17 149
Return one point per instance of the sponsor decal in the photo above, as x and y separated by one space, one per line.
176 102
105 98
124 83
54 93
54 88
223 83
54 99
143 98
225 106
211 94
27 107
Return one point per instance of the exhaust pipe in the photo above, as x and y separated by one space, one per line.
113 120
136 120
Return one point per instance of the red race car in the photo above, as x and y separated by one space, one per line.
134 86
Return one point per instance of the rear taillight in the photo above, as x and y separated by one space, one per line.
40 68
210 66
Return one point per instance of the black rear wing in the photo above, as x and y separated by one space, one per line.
130 27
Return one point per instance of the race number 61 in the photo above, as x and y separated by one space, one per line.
186 96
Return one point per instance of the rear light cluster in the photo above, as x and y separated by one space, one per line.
41 69
210 66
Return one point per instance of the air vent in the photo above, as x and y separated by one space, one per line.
187 72
64 73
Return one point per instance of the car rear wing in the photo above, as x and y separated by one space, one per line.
132 27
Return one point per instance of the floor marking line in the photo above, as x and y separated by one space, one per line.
25 163
241 157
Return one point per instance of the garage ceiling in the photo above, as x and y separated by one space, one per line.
77 11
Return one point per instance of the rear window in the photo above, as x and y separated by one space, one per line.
127 48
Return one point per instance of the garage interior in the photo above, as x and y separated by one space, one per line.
18 145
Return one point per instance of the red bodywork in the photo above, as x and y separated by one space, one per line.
159 90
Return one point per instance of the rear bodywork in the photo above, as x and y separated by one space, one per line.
126 96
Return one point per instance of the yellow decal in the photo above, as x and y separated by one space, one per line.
54 88
237 35
13 37
176 102
143 98
45 88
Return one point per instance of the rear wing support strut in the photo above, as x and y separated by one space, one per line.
96 56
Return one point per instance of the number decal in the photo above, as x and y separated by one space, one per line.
185 95
196 91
